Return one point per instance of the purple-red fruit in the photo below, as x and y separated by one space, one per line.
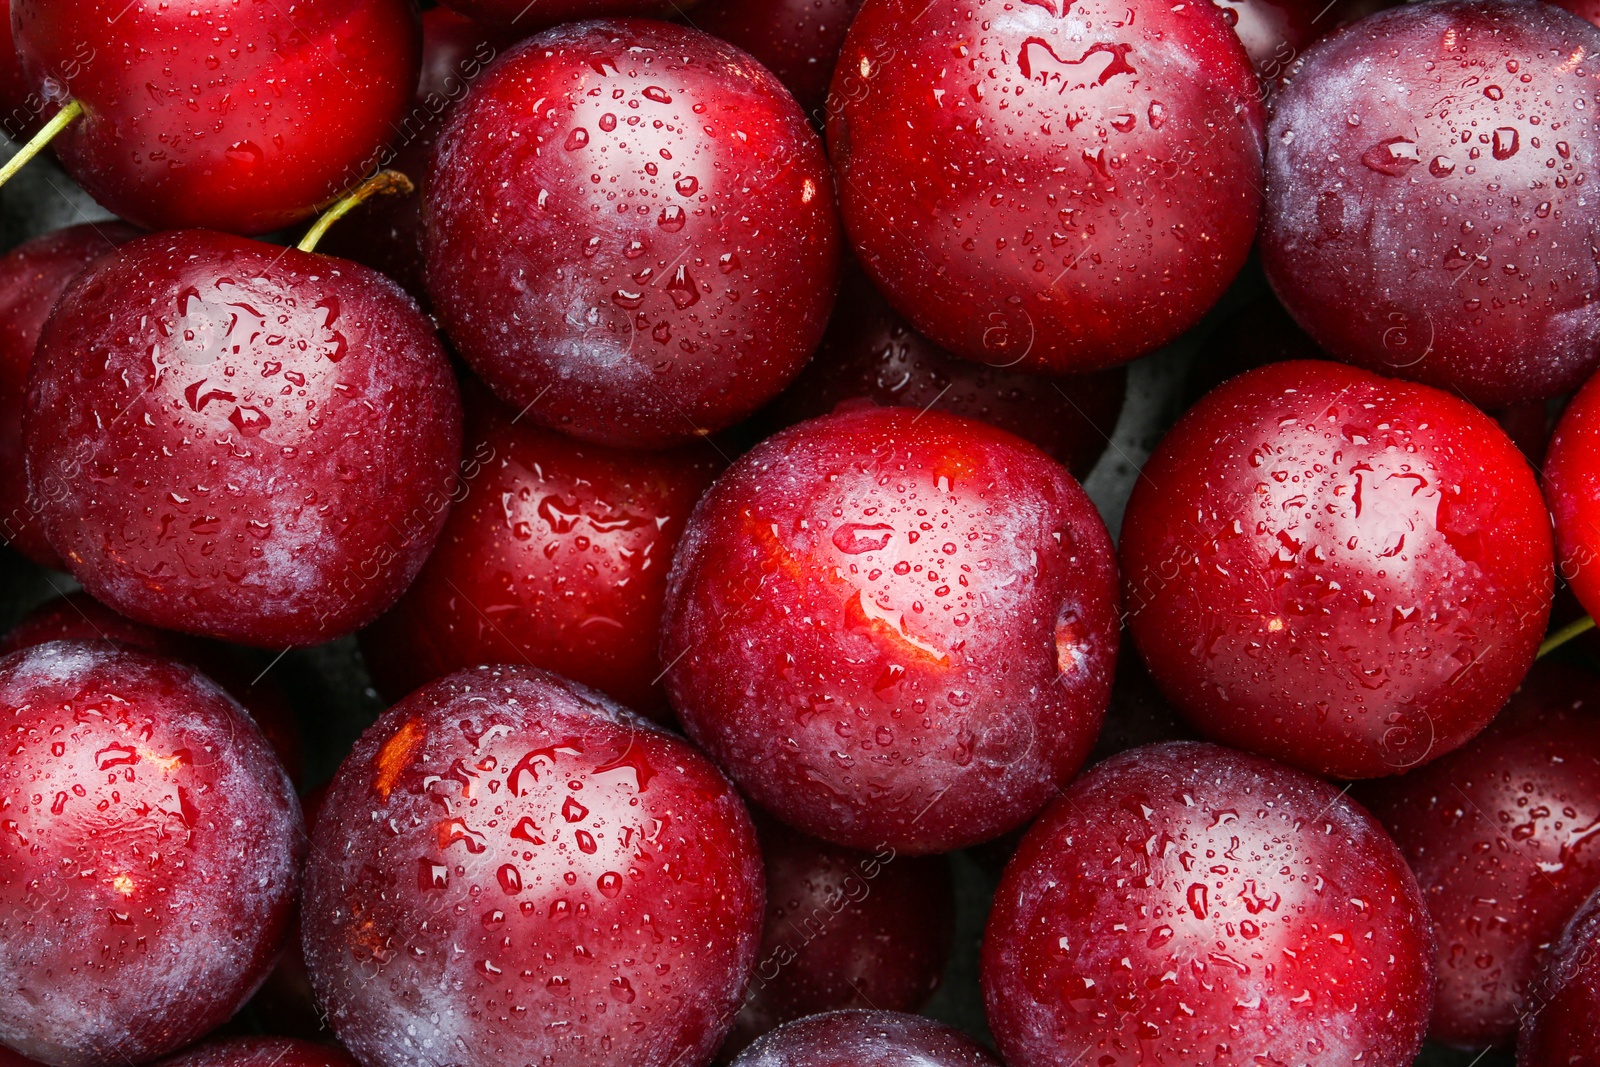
1561 1023
261 1052
866 1039
798 40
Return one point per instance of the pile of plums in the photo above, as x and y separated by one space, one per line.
677 411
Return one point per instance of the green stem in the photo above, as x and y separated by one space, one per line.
63 118
383 183
1565 634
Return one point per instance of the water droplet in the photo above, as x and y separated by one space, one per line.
1506 142
672 218
610 884
578 138
1392 157
688 186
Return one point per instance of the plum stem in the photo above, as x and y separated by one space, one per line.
383 183
62 119
1565 634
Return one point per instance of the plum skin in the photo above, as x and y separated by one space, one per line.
894 628
1047 186
1426 205
261 1052
1558 1025
1572 490
665 243
858 1038
231 117
1497 833
185 841
285 451
1345 572
504 851
798 40
1173 885
556 557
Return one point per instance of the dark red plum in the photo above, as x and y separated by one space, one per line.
557 557
1345 572
1047 186
509 868
236 117
1562 1023
894 628
32 278
866 1039
150 847
798 40
1186 903
631 232
261 1052
1572 489
1498 834
522 17
844 929
261 441
870 354
1426 197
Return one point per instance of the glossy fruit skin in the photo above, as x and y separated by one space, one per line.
150 785
282 477
1561 1026
520 18
509 868
1345 572
798 40
844 929
894 628
220 115
1497 833
32 278
261 1052
1173 886
20 116
385 233
1273 32
991 167
870 354
649 257
1441 235
1572 489
859 1038
556 557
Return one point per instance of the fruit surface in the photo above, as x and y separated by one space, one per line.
1426 208
149 859
798 40
1185 903
261 1052
894 628
1345 572
1047 186
262 441
1572 489
631 232
510 868
866 1039
1563 1025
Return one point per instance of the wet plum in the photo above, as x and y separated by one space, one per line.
870 354
32 278
866 1039
631 232
1186 903
262 440
844 929
261 1052
894 628
522 17
1572 488
1345 572
1426 192
1562 1023
1498 834
509 868
149 854
798 40
1047 186
556 557
241 118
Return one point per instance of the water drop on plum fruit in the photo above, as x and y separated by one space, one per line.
1186 903
32 278
844 929
510 868
261 1052
1426 197
1498 834
236 117
149 855
262 441
631 232
557 557
857 1038
1046 185
1345 572
871 354
894 627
